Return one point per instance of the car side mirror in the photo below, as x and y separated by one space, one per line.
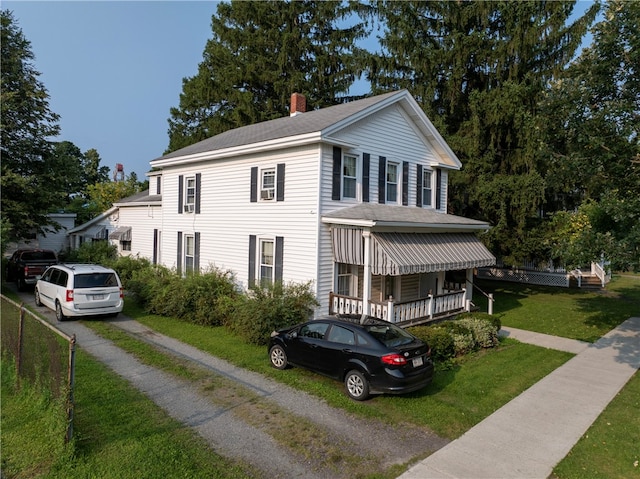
293 335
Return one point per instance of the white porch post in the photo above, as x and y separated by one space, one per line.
366 287
469 292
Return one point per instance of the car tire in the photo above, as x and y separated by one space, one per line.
59 314
356 385
36 295
278 357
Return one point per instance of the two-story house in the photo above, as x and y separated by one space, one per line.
351 197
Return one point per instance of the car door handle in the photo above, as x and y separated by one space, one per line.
314 346
347 350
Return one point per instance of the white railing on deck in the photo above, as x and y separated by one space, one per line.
599 271
430 307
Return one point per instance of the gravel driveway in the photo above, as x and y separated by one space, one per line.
341 444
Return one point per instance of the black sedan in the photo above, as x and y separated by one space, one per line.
369 355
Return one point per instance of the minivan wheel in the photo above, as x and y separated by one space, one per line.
356 385
59 314
278 357
36 295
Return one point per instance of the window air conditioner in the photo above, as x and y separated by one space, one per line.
266 194
189 208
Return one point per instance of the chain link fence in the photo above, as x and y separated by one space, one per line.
43 355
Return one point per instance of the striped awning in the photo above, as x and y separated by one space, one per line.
347 245
410 253
100 234
121 233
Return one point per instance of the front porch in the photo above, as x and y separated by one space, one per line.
407 313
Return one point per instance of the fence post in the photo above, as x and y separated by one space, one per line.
490 303
71 384
20 343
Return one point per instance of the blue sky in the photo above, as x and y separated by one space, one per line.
114 69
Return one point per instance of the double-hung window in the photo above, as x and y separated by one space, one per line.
349 176
189 253
393 175
268 184
266 261
427 189
347 280
190 194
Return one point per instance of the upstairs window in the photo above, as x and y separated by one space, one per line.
268 184
189 193
392 182
349 176
427 188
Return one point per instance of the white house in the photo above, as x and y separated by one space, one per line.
352 198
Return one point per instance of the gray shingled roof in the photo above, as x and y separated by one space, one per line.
400 214
142 197
309 122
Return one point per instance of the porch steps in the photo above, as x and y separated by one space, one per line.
590 283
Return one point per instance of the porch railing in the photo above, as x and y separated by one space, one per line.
423 309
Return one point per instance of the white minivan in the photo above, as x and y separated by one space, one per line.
80 290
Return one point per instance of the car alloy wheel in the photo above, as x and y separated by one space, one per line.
357 385
278 357
36 295
59 313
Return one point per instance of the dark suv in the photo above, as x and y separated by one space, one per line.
25 266
369 355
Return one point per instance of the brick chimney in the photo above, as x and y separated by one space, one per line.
298 104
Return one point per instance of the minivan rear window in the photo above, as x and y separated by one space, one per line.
95 280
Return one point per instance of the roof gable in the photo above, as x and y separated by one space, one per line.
312 126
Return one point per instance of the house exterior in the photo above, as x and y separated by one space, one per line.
352 198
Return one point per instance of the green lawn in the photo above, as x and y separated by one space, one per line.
569 313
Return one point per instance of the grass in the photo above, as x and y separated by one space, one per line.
569 313
119 433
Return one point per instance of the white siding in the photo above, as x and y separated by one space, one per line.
228 217
142 220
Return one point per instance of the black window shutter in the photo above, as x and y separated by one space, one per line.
252 260
382 179
405 183
157 185
419 186
198 184
438 188
254 184
336 194
280 182
155 246
366 160
277 277
196 253
179 260
180 193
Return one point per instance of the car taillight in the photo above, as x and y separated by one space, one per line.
69 297
121 293
394 359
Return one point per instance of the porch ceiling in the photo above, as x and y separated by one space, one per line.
410 253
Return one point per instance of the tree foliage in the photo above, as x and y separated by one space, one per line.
479 70
30 183
260 53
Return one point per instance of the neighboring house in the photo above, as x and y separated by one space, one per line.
352 198
116 225
52 239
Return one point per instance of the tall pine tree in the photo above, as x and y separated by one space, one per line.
479 70
261 52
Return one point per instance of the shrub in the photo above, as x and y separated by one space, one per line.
462 336
440 341
493 319
100 252
267 308
127 266
485 334
195 298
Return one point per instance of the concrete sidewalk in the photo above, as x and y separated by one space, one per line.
529 435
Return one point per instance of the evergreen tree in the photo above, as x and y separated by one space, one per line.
479 70
262 52
30 186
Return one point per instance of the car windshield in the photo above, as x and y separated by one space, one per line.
389 335
95 280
